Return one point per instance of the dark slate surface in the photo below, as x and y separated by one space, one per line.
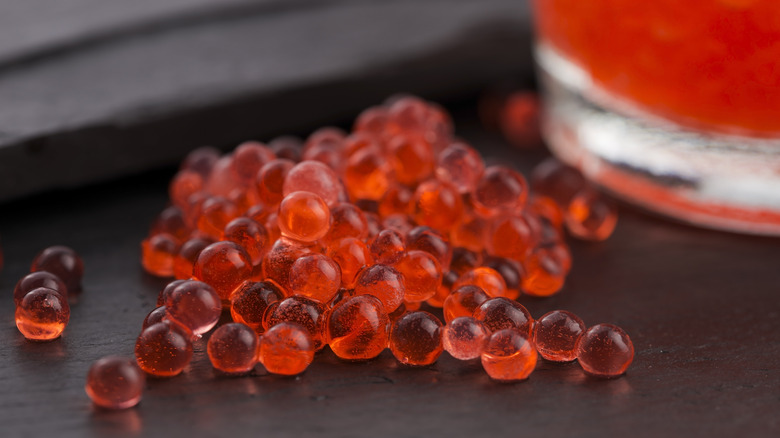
702 308
91 90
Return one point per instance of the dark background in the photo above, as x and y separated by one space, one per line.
702 307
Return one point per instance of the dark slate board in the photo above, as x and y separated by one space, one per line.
95 103
702 308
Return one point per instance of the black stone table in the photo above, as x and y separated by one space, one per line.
702 308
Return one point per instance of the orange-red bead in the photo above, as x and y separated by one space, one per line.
605 350
201 160
346 220
249 157
545 271
62 262
34 280
163 349
510 237
556 334
115 382
278 262
249 303
460 165
509 355
286 349
171 221
591 216
158 253
42 315
415 338
465 338
431 241
367 174
437 205
396 200
223 266
195 305
485 278
232 348
315 276
307 313
303 216
287 147
500 190
412 158
351 255
422 275
383 282
557 181
269 182
388 247
215 213
463 301
501 313
248 234
314 177
188 254
357 328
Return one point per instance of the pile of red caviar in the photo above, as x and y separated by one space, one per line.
341 240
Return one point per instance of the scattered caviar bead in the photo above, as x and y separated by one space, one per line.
250 302
500 190
501 313
195 305
287 349
188 255
357 328
367 174
545 272
591 216
460 165
201 160
422 275
437 205
315 276
557 181
232 348
412 158
287 147
464 260
303 216
397 200
115 382
34 280
431 241
278 262
383 282
351 255
605 350
62 262
163 349
42 315
519 119
223 266
347 220
215 213
486 278
556 334
157 254
185 184
248 234
307 313
547 209
388 247
157 315
398 222
269 183
444 290
510 237
415 338
372 121
463 301
171 221
166 291
249 157
511 271
314 177
470 233
509 355
465 338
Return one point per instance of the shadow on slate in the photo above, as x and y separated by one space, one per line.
135 87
